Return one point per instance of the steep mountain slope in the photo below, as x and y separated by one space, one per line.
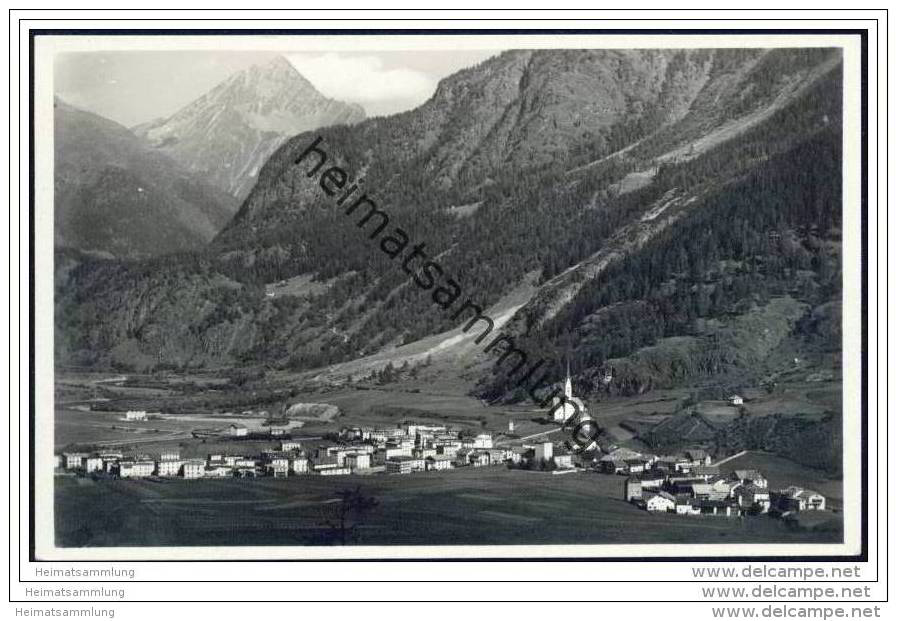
228 133
116 197
608 200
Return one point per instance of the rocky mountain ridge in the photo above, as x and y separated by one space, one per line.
227 134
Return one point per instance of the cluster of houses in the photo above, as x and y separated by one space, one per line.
171 464
404 449
401 450
688 484
414 447
241 431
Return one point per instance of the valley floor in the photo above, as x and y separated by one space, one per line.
465 506
473 506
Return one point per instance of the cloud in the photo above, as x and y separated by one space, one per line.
364 80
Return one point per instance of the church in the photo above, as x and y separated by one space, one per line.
568 408
572 413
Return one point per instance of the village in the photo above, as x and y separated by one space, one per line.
688 483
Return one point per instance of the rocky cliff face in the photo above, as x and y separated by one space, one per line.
115 197
227 134
577 172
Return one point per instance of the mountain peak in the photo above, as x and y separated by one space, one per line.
228 133
279 64
278 73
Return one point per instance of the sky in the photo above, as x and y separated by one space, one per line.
132 87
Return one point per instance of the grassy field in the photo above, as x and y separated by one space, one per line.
470 506
79 427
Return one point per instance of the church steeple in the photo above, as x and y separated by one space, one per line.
568 384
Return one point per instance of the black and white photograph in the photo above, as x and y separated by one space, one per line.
447 296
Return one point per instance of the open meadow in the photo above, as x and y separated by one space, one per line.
467 506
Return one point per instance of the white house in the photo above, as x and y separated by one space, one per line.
289 445
169 456
278 467
193 470
718 507
799 499
319 466
133 469
563 461
661 502
544 450
404 465
439 462
168 467
684 506
329 472
736 400
299 465
237 430
93 464
483 441
396 451
815 500
218 471
74 461
750 476
358 461
135 415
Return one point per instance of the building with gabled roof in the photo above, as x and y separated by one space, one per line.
237 430
750 476
798 499
660 502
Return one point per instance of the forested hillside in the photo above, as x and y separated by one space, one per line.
115 197
661 201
